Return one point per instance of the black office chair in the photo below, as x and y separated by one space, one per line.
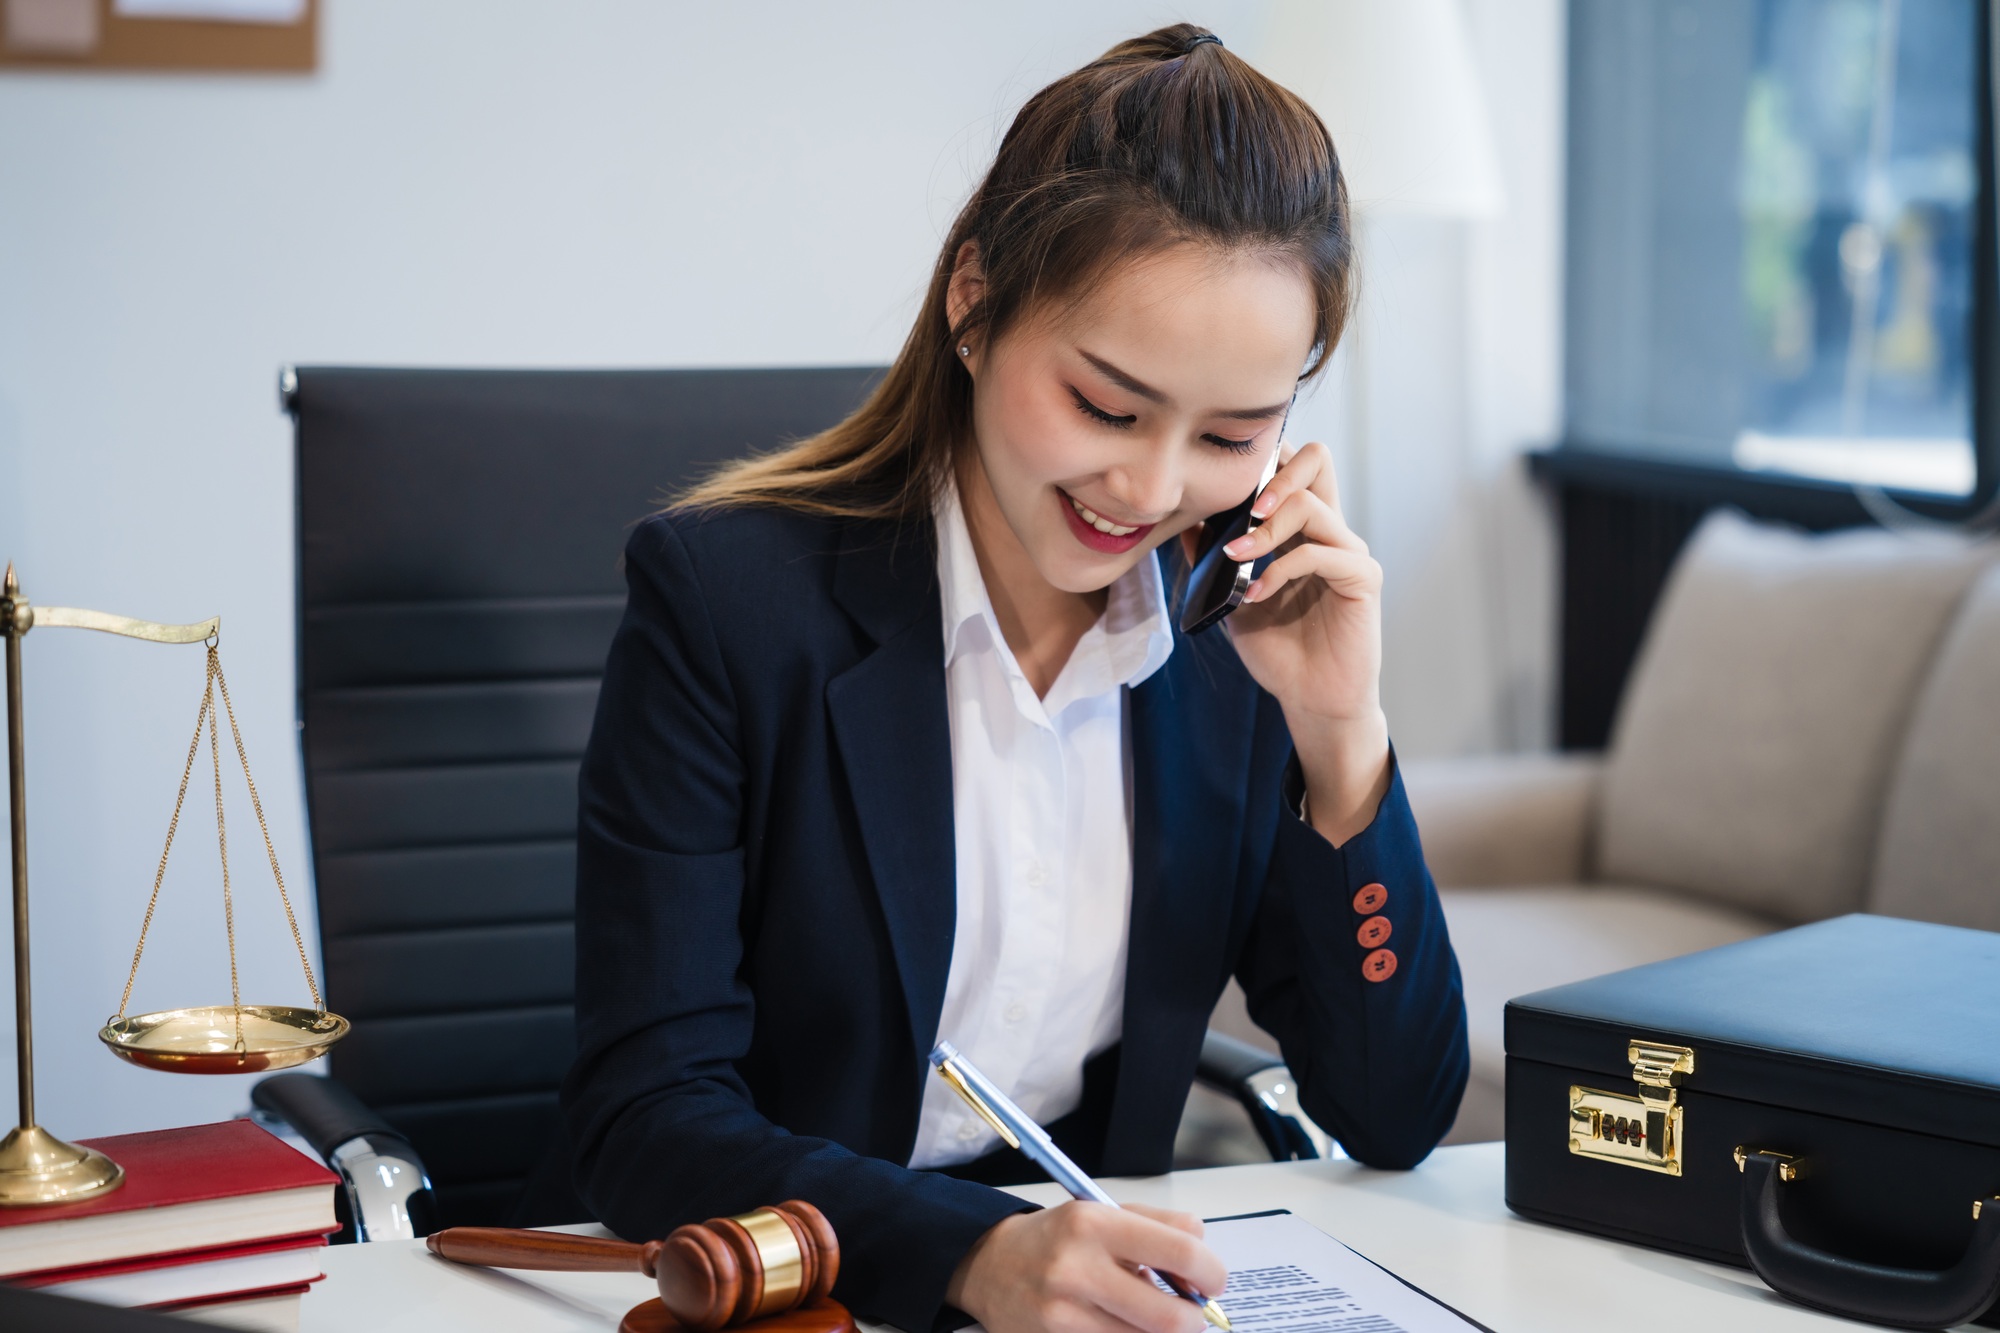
458 584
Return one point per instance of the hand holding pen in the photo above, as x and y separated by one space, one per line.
1019 1131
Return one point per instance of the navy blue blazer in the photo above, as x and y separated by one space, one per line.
766 893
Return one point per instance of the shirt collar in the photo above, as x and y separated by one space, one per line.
1129 642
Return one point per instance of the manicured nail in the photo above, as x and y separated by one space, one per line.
1238 547
1263 506
1254 591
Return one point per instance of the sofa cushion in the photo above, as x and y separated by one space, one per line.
1752 749
1505 818
1514 940
1939 855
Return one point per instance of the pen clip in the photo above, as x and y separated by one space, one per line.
950 1074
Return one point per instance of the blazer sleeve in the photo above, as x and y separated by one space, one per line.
665 1128
1348 964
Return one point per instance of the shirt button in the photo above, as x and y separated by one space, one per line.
1379 966
968 1131
1374 931
1370 899
1016 1012
1036 876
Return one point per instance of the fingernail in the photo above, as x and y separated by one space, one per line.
1254 591
1262 507
1238 547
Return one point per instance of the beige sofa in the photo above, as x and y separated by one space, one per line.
1812 728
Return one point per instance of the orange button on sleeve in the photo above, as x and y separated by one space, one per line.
1379 966
1374 931
1371 898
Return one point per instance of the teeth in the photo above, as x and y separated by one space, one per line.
1103 525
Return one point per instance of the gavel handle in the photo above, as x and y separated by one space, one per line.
549 1251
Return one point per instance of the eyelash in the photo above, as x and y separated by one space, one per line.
1096 413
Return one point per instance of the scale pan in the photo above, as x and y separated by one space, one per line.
203 1041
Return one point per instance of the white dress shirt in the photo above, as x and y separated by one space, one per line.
1042 817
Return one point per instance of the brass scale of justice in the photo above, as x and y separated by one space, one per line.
772 1268
36 1167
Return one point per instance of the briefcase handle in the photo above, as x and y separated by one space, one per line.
1901 1297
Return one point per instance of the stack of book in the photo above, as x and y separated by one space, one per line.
224 1223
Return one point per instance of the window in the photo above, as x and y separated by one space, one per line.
1775 213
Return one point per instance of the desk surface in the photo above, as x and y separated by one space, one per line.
1442 1226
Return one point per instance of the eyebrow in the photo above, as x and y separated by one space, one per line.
1152 395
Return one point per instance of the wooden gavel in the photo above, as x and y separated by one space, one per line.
712 1275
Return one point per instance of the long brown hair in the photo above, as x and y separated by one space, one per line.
1164 139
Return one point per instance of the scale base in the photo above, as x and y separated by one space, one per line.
36 1167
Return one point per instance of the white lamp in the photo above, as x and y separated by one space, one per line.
1395 82
1397 86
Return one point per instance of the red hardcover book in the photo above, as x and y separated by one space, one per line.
255 1312
195 1275
189 1189
231 1298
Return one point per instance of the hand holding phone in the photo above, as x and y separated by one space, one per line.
1313 636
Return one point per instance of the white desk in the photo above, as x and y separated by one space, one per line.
1442 1226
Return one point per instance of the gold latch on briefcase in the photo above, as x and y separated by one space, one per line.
1642 1131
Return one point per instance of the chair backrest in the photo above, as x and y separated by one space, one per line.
459 535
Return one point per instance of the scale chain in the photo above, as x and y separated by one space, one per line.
160 875
208 717
272 852
222 843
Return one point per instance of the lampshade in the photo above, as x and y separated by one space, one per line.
1396 84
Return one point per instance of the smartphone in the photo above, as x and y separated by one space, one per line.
1215 584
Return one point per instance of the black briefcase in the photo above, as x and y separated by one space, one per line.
1821 1105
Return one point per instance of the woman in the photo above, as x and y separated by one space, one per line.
897 741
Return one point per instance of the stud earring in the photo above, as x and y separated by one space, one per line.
965 351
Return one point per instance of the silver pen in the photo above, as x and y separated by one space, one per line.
1016 1130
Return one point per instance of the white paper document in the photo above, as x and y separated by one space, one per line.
1287 1276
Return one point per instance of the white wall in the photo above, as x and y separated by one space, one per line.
603 182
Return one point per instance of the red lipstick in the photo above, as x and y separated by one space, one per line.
1103 542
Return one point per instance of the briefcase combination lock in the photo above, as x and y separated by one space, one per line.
1642 1130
